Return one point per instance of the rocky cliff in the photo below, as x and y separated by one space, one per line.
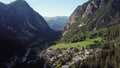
93 15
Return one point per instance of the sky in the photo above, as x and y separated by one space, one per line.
51 8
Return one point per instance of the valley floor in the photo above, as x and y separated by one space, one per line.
69 57
70 54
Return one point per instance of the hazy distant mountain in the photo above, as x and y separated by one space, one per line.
57 23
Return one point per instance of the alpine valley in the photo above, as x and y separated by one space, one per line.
90 39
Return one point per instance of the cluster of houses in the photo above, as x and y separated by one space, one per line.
77 56
81 56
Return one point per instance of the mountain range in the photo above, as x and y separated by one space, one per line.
57 23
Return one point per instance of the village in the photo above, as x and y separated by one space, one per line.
69 57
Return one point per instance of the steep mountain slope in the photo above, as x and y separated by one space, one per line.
91 16
9 46
57 23
20 18
20 28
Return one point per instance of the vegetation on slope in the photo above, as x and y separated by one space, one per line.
108 58
78 45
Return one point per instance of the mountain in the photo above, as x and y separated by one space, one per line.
94 19
20 28
91 16
21 19
57 23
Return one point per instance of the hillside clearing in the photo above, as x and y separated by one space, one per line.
77 45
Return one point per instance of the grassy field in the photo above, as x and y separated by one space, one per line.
77 45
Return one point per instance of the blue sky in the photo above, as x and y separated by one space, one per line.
52 8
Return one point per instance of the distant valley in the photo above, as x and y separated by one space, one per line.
57 23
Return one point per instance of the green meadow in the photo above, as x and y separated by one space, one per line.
77 45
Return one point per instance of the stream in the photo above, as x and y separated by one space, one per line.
45 64
26 54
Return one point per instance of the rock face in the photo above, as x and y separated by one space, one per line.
84 10
20 26
92 15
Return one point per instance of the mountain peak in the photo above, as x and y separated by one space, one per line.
20 18
21 6
19 2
